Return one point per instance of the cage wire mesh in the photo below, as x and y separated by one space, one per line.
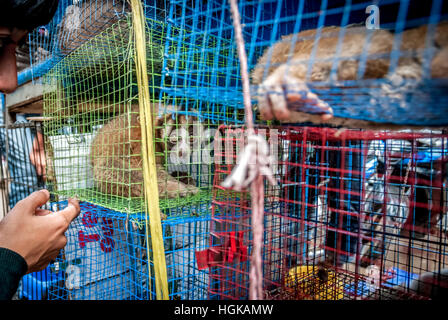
208 71
394 75
74 23
310 56
82 94
328 58
91 101
22 153
92 132
4 188
356 214
106 257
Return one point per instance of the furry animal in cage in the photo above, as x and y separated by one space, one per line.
284 94
116 155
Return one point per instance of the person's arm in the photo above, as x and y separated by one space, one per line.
12 268
37 155
35 234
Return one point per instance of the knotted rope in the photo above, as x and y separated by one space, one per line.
252 165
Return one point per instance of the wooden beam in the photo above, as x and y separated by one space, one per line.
28 98
26 94
32 107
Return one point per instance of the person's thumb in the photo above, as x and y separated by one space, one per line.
70 212
34 201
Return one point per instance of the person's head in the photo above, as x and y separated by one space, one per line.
17 19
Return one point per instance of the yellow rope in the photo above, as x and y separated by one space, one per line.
149 165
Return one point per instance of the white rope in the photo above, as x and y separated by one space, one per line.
253 161
253 164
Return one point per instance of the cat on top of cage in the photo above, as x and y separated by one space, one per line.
116 154
282 72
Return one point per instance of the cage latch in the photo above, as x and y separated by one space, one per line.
232 250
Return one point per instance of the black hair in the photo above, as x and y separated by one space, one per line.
26 14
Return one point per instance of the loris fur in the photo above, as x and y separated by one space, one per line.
283 93
116 157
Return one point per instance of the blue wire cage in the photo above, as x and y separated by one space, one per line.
74 23
106 258
419 100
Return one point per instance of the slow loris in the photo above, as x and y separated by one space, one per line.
116 155
283 93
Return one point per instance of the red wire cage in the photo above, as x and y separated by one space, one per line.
356 214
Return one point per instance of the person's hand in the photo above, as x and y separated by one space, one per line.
37 234
37 155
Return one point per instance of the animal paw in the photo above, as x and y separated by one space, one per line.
279 95
174 188
192 189
185 190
